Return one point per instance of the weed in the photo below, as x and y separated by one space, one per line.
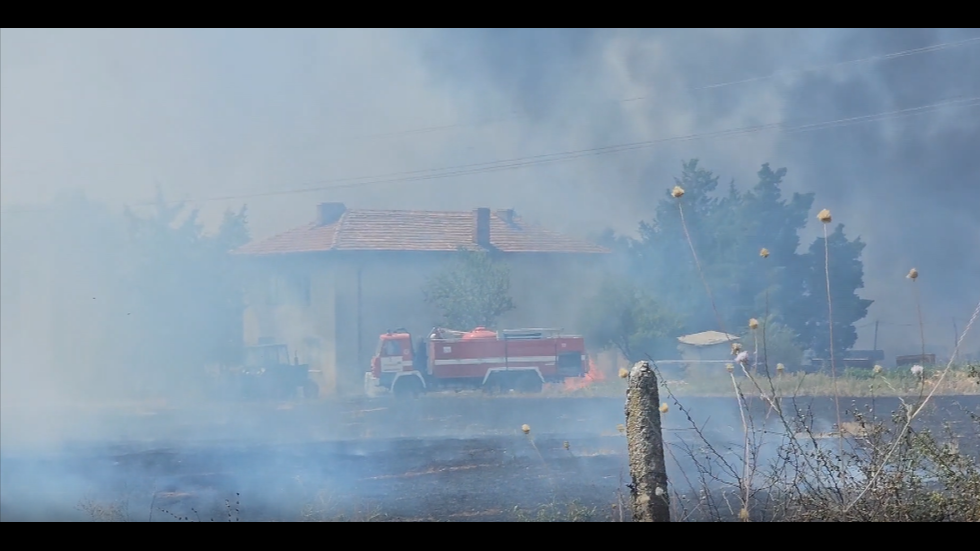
572 511
115 511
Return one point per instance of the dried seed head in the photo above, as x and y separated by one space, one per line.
780 367
878 369
753 323
736 348
743 515
677 192
525 429
565 444
664 408
764 253
624 373
729 368
913 273
620 428
824 216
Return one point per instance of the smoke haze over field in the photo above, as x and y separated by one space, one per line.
282 120
240 113
215 113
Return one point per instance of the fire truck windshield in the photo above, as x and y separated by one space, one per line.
392 348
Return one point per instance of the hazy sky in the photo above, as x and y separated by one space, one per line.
218 113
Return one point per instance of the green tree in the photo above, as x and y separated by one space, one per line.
809 315
185 293
621 315
140 301
728 230
473 291
662 256
764 219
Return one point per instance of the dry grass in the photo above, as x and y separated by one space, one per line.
324 507
98 511
864 385
557 511
888 471
850 384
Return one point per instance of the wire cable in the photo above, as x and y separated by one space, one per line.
514 115
536 160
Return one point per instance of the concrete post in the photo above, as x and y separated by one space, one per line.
644 437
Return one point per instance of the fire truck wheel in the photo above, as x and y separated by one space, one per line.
494 385
530 383
407 387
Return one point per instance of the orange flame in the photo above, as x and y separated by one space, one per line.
591 376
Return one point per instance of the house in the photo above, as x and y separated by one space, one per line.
704 351
329 288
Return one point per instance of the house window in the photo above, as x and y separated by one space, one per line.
303 289
275 290
292 289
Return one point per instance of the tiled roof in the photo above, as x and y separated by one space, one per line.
407 230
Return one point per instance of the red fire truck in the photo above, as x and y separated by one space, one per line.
518 359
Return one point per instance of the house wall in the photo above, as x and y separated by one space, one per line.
696 355
331 309
549 290
392 298
714 352
292 301
356 296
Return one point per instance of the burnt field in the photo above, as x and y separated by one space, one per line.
438 458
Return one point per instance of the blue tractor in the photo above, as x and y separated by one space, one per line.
268 373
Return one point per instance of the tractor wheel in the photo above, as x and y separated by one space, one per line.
311 390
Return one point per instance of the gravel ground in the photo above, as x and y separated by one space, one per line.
439 458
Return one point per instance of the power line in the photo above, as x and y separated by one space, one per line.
514 115
816 68
535 160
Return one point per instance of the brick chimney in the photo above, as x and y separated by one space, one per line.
481 227
328 213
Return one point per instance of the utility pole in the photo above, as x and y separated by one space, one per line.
956 336
875 345
645 445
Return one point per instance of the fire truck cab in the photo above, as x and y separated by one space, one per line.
520 360
393 360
